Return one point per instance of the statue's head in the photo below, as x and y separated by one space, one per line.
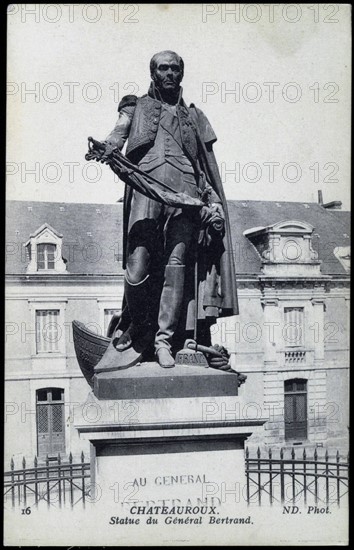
166 70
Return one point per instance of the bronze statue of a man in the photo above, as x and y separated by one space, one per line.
172 254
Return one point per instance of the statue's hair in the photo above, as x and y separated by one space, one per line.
153 62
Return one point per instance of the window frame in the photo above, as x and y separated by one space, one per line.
288 345
105 323
47 351
46 259
292 394
49 304
108 302
50 403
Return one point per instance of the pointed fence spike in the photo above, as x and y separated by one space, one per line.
258 452
315 454
23 463
326 455
82 456
337 455
247 452
270 453
12 464
35 462
304 454
293 453
281 453
70 457
59 458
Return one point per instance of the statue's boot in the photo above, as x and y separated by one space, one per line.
138 301
170 308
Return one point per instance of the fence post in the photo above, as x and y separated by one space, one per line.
24 481
247 476
48 484
12 466
305 477
259 476
293 472
71 478
35 464
327 480
338 480
270 477
282 475
316 477
59 478
19 487
83 477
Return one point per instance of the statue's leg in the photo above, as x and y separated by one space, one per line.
137 295
179 231
138 287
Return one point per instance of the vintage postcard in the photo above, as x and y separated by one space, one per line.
177 275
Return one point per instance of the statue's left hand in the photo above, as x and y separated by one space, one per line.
217 209
212 223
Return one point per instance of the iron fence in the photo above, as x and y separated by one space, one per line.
63 482
307 480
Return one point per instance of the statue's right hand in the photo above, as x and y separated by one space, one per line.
100 150
96 149
109 148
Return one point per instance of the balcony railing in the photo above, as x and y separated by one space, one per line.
295 357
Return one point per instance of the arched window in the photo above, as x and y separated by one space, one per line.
50 421
295 409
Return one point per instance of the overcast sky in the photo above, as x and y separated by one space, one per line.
283 133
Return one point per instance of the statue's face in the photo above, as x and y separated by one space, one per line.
168 74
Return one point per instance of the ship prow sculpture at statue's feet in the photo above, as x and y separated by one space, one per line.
199 371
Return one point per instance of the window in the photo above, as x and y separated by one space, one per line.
44 251
108 314
50 421
294 326
46 256
342 253
295 409
47 331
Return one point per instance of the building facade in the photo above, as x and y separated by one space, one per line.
291 339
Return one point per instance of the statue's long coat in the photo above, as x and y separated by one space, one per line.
217 293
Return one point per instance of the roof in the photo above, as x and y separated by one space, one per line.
331 229
92 233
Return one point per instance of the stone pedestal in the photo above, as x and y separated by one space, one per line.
150 381
167 450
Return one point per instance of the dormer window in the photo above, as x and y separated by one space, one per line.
46 256
342 253
44 250
285 248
